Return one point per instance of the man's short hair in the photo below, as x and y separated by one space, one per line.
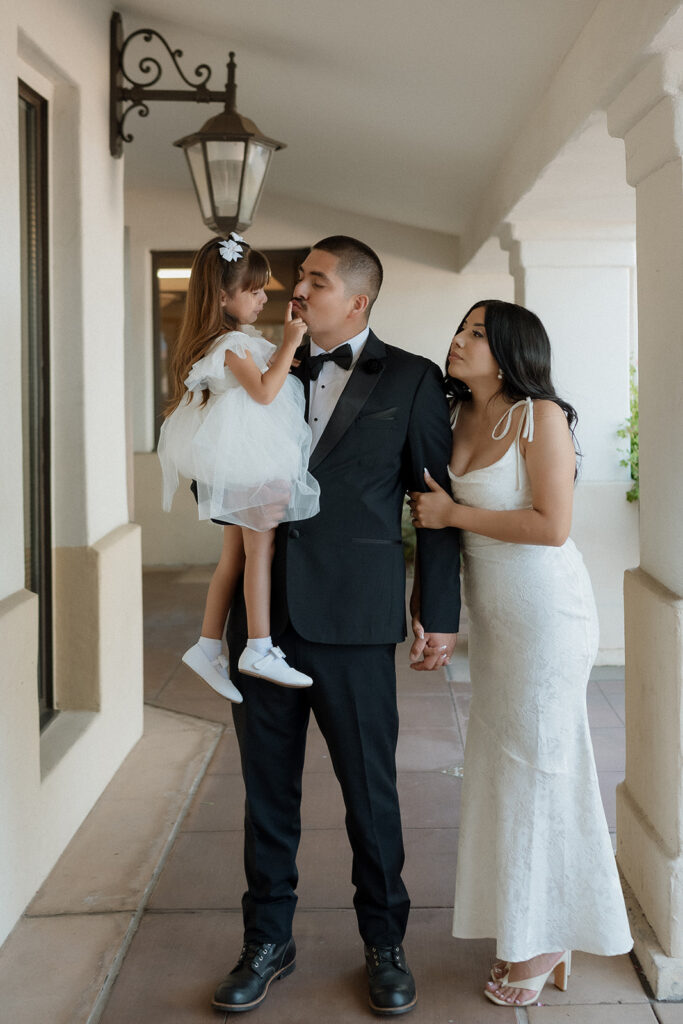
359 265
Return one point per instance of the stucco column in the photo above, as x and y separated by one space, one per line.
648 115
579 279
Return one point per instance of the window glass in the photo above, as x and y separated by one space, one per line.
35 375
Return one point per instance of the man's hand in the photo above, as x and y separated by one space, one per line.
419 643
430 650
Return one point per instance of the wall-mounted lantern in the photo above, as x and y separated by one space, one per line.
228 156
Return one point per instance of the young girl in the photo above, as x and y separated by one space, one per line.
235 424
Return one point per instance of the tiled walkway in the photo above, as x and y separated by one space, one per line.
190 930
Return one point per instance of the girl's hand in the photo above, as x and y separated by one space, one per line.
295 328
432 510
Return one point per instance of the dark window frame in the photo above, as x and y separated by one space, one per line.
36 228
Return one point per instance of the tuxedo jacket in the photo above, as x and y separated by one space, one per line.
339 577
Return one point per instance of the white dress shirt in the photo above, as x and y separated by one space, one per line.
325 391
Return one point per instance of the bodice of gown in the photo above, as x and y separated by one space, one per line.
502 486
211 372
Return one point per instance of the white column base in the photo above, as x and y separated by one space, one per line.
650 800
664 973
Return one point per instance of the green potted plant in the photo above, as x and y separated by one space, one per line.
629 431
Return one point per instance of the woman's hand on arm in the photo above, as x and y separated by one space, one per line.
433 509
263 387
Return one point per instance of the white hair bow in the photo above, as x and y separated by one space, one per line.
230 249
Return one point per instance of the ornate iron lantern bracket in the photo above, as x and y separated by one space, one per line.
228 157
138 93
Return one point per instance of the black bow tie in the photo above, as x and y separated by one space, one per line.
342 356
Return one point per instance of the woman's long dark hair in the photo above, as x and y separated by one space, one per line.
520 345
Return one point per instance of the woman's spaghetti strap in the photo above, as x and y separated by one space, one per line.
525 429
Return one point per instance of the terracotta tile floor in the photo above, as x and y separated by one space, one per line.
190 931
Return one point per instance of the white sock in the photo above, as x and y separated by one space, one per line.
260 644
211 647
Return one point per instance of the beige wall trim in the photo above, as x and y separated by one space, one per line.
78 633
76 629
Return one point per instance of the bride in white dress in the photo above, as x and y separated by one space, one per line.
535 863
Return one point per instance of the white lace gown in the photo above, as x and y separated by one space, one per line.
535 864
250 461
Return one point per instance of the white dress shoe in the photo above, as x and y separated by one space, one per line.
215 672
273 666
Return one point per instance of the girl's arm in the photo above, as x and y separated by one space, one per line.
550 461
263 387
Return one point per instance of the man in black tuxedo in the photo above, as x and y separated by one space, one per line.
379 418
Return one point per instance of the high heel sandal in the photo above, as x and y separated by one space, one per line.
560 971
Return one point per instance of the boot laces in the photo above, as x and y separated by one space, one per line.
254 952
386 955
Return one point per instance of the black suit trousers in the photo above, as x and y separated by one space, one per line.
353 700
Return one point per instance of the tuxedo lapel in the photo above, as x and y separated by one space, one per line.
362 381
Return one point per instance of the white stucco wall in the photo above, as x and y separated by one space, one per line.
49 781
11 506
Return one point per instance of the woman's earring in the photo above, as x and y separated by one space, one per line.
500 374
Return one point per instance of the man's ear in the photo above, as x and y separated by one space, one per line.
360 305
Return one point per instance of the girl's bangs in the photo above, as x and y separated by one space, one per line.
256 273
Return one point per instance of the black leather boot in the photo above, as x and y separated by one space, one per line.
247 984
392 987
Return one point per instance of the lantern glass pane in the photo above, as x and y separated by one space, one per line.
195 159
225 161
258 158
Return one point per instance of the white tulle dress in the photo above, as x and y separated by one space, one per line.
535 864
250 460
